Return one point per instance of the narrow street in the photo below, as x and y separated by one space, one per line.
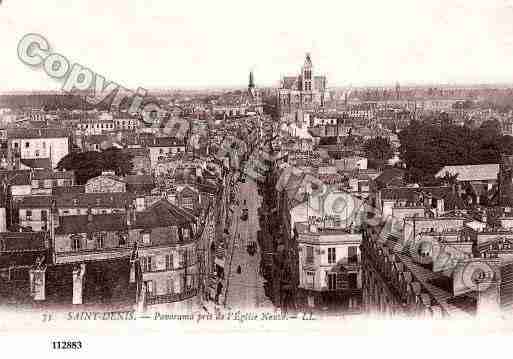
245 290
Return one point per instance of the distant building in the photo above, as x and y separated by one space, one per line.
304 91
37 144
163 148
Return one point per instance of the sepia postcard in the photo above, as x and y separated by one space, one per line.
327 168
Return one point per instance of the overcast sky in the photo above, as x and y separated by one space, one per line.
192 43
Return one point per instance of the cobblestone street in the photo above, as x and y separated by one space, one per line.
245 290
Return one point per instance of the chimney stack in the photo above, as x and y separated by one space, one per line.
37 277
78 283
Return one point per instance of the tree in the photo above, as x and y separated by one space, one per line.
378 150
91 163
117 160
426 147
490 128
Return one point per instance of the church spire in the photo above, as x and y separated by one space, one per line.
251 80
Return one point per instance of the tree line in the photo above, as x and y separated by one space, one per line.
426 148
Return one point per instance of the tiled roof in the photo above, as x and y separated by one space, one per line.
17 177
160 214
472 172
166 142
39 163
142 152
48 174
106 287
97 138
390 175
22 241
412 194
23 177
138 179
77 189
83 200
93 223
289 82
22 133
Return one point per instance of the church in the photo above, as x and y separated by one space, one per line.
302 92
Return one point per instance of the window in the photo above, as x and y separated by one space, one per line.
150 287
310 276
185 234
352 254
37 153
100 239
169 261
170 285
309 255
75 243
146 238
44 144
190 281
27 144
181 258
146 264
352 280
44 215
332 281
122 239
28 214
332 255
187 202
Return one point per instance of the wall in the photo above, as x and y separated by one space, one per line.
53 148
321 264
102 184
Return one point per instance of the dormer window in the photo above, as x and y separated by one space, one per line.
76 243
146 238
122 240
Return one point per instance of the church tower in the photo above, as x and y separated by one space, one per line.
306 74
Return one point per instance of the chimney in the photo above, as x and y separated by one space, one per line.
78 283
37 277
134 261
3 222
141 298
128 216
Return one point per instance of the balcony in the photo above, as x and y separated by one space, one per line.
171 297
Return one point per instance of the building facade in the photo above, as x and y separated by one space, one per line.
304 91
